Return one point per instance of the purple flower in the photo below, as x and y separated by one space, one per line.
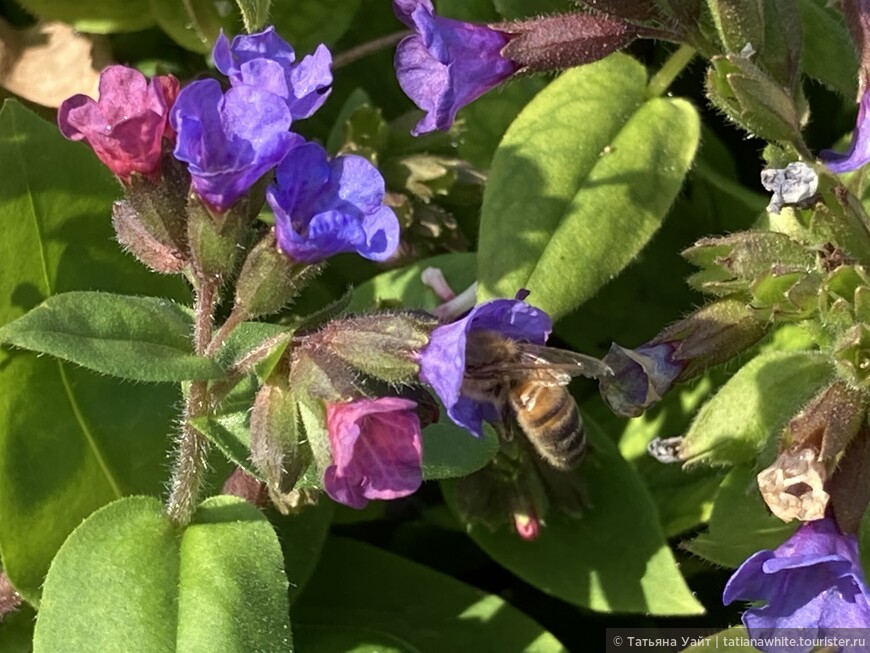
640 377
376 448
127 124
443 360
447 63
229 140
266 61
813 581
859 149
325 207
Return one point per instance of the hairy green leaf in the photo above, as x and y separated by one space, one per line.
255 13
136 338
126 577
601 190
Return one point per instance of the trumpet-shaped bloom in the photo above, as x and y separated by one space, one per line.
446 63
229 140
813 581
858 153
376 448
127 124
266 61
442 361
325 207
640 377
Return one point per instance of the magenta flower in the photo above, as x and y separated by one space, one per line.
229 140
127 124
447 63
325 207
640 377
376 448
267 61
813 581
858 153
443 360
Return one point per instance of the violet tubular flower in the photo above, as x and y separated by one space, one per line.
446 63
813 582
229 140
858 153
266 61
127 124
377 450
442 361
640 377
325 207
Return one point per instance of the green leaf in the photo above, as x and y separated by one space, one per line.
135 338
600 193
71 440
251 337
450 451
97 16
305 24
255 13
740 524
404 287
828 53
753 407
387 604
739 22
195 24
613 558
127 575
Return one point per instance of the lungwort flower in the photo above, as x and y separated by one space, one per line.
376 448
229 140
858 153
324 207
266 61
127 124
813 581
446 63
443 360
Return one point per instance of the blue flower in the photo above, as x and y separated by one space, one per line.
266 61
229 140
813 581
447 63
640 376
325 207
443 360
858 153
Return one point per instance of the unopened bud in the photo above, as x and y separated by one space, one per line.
243 485
527 525
275 449
269 279
849 485
141 243
384 345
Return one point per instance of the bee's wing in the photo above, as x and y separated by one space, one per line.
547 365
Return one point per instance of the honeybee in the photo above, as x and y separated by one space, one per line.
530 381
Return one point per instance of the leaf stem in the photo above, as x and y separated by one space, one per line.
669 71
368 48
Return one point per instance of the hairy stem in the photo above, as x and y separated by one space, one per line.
192 448
670 70
368 48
